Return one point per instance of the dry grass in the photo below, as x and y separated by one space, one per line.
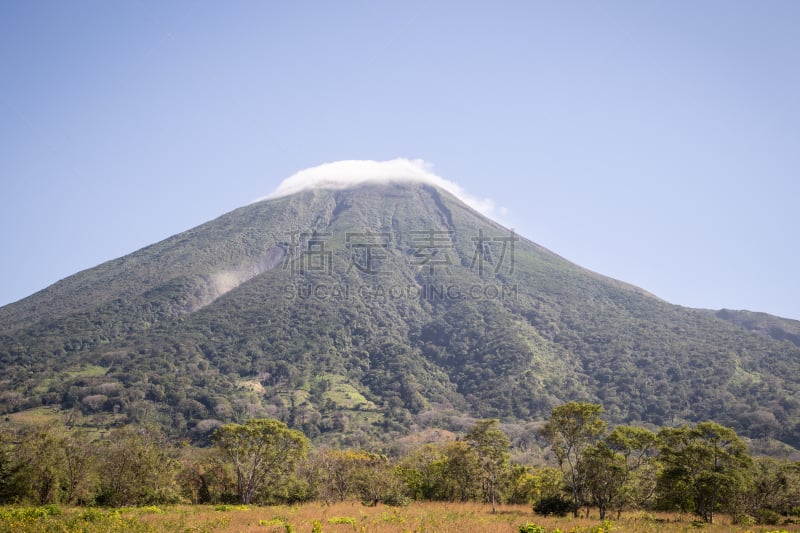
417 517
343 517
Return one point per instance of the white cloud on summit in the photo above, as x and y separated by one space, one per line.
349 173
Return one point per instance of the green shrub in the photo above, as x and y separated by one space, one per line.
552 505
32 513
225 508
767 517
531 528
92 515
343 520
276 521
396 500
741 519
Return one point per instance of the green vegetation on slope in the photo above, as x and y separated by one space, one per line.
364 315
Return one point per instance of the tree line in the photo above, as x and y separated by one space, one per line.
703 469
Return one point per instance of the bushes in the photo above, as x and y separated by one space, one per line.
52 518
767 517
133 466
552 505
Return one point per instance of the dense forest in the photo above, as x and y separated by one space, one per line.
705 469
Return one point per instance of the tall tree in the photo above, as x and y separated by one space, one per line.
7 467
80 479
261 451
459 472
38 454
491 445
137 467
343 474
775 486
603 471
639 447
571 429
422 472
709 460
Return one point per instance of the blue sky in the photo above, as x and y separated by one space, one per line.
654 142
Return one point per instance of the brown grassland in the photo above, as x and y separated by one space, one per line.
350 516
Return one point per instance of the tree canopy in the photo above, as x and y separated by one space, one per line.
261 452
571 429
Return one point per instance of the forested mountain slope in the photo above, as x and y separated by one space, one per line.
362 314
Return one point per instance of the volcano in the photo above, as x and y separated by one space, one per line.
360 314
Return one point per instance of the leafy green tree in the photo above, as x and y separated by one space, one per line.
38 455
50 464
528 485
204 477
639 447
460 472
421 472
7 467
137 467
491 446
343 474
377 480
549 492
521 485
571 429
604 473
79 468
332 474
775 486
261 451
549 481
710 462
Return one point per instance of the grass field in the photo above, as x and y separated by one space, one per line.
344 517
